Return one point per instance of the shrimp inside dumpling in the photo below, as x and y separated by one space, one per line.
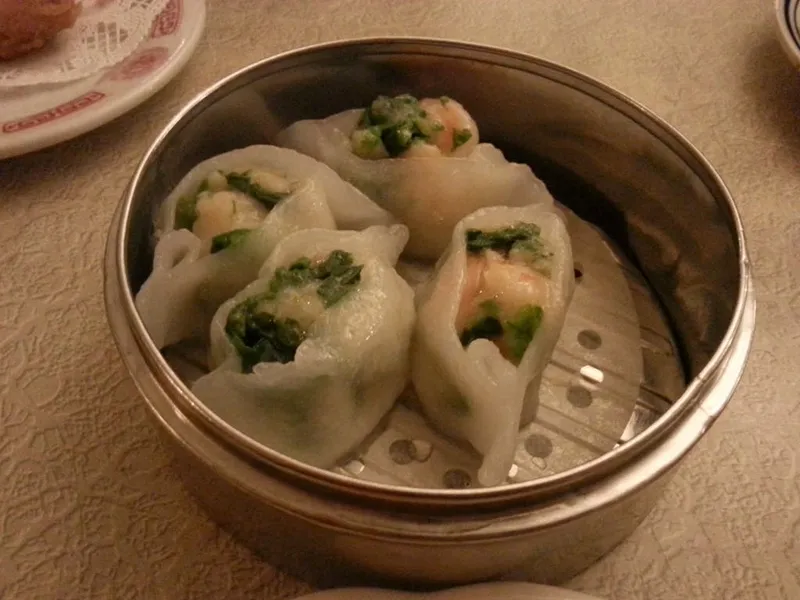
230 202
422 161
458 132
507 289
223 211
404 127
270 326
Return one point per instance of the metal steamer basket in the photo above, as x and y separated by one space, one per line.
661 325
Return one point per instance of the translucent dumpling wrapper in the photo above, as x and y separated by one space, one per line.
311 356
436 174
220 223
488 321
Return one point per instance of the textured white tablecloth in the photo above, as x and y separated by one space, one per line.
88 504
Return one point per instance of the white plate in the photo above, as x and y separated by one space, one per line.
482 591
35 117
788 14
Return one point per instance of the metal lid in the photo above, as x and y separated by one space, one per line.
482 591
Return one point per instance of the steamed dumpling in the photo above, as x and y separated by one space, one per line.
420 160
222 221
309 357
351 209
488 321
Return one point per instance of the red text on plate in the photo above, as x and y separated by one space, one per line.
54 113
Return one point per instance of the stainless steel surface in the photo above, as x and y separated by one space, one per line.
658 198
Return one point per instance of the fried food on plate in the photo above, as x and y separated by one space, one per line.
28 25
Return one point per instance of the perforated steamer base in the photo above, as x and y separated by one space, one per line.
614 371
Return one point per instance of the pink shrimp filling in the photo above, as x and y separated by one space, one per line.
510 286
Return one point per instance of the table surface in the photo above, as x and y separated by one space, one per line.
89 506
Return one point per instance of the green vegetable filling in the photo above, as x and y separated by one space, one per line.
245 184
337 273
260 336
186 212
186 208
502 240
461 137
519 331
522 240
228 239
487 326
393 123
336 287
515 334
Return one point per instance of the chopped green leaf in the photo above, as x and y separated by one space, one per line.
243 183
186 212
365 121
503 240
486 327
367 142
520 330
531 251
228 239
186 208
383 109
444 100
461 137
239 181
397 139
337 263
338 275
336 287
262 337
297 274
515 334
396 122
